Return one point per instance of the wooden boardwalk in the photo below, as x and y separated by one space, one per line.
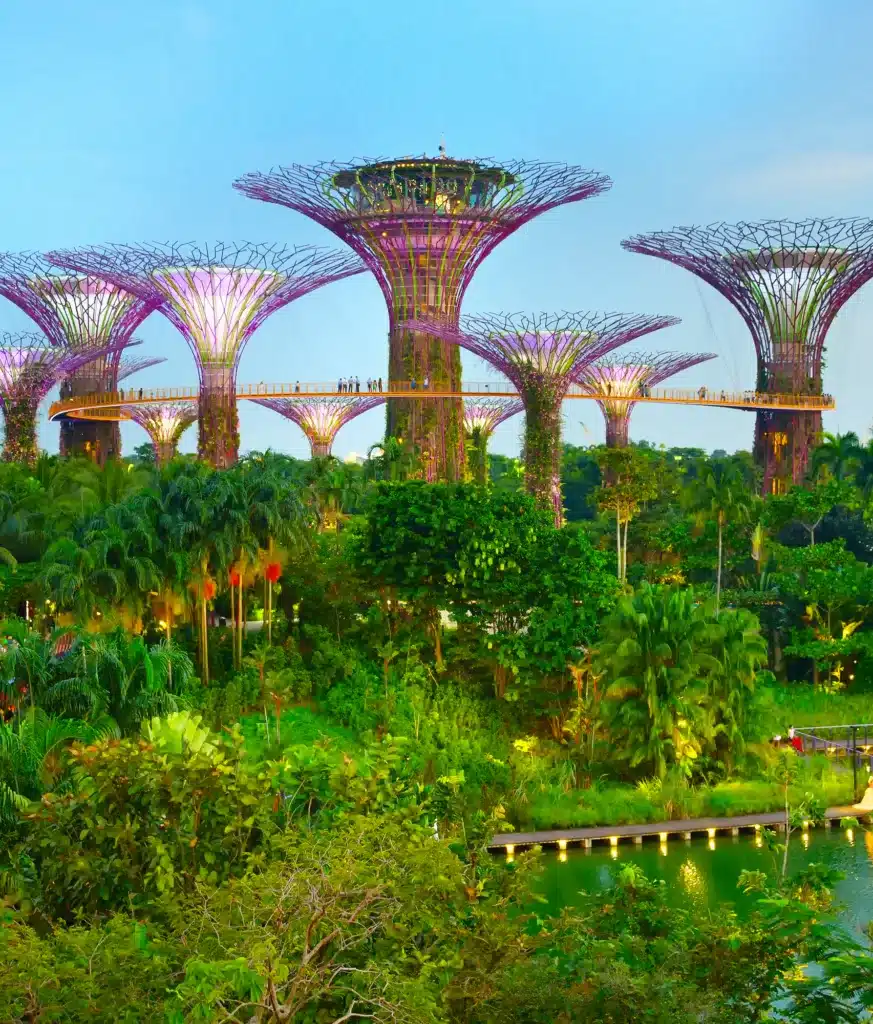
657 830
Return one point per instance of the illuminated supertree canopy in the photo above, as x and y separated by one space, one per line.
542 354
618 379
216 296
129 365
164 422
423 225
788 280
30 366
77 311
321 418
482 416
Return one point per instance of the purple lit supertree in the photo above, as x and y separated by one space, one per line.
77 311
216 296
164 422
320 418
128 366
619 379
30 366
788 280
541 354
482 416
423 226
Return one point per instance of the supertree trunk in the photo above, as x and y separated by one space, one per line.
433 428
783 443
218 427
477 456
165 452
617 431
20 422
542 451
319 449
98 440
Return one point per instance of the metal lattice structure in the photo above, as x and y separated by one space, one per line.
423 226
482 416
30 366
128 366
619 378
216 296
164 422
788 280
541 354
321 418
77 311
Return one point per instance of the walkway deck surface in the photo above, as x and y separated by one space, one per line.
653 829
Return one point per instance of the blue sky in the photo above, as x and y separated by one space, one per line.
124 122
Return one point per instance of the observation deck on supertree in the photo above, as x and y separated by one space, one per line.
788 280
423 225
30 366
164 422
541 354
482 416
216 296
618 379
74 312
321 418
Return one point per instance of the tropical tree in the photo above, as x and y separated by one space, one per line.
836 457
719 494
808 506
629 480
655 658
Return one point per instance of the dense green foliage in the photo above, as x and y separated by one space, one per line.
291 822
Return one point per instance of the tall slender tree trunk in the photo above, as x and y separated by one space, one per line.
233 623
240 625
618 545
718 571
624 552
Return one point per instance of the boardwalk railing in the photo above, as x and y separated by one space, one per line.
105 405
855 741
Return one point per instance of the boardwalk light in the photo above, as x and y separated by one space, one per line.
562 844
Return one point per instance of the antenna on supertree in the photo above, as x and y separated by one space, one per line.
77 311
30 366
321 418
165 423
788 280
617 380
482 416
541 354
423 225
128 366
216 296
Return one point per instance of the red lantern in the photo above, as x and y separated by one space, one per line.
209 590
273 572
234 577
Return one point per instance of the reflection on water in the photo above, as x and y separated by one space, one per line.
705 870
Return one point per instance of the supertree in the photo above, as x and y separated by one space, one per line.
619 379
216 296
128 366
788 280
320 418
75 312
164 422
30 366
541 354
482 416
423 225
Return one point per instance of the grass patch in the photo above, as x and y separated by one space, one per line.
802 706
299 724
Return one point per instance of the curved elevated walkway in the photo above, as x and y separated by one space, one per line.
106 406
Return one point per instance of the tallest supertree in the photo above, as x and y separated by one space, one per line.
788 280
423 225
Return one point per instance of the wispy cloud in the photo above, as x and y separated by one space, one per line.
807 175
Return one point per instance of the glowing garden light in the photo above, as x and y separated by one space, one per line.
216 296
423 225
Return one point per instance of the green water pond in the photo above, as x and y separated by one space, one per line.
704 872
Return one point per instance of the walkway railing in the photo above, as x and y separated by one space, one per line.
90 406
855 741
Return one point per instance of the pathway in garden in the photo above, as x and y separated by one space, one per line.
659 829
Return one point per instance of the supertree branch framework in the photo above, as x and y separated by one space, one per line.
216 296
164 422
128 366
618 379
77 311
30 366
482 416
788 280
542 354
423 225
320 418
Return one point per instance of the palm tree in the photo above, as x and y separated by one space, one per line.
836 457
334 490
720 494
654 659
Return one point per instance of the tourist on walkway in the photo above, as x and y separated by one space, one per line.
357 385
426 382
380 384
339 385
